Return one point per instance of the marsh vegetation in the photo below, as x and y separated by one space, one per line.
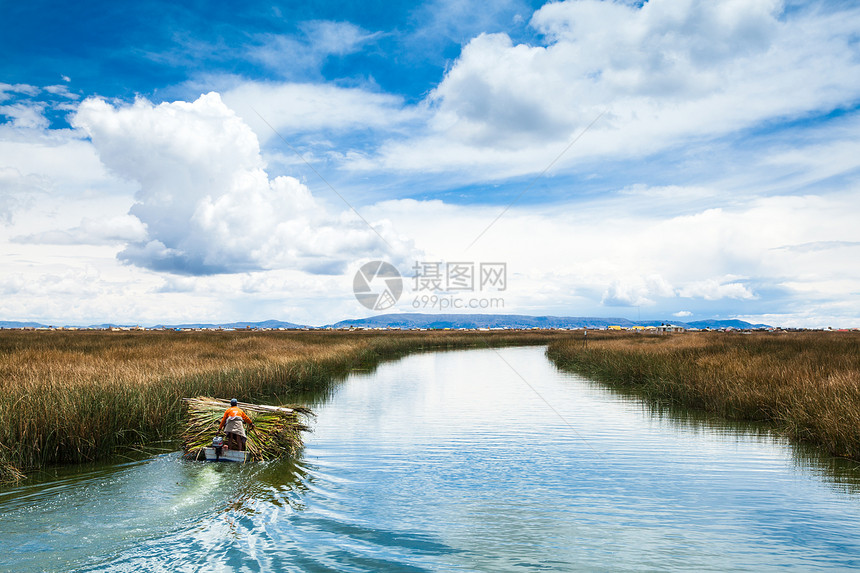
74 397
805 383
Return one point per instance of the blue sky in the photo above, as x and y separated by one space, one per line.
204 162
122 50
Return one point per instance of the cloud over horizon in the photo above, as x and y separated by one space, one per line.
663 73
205 200
205 174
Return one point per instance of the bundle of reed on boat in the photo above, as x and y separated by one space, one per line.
276 430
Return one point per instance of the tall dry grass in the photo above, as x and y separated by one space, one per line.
73 397
806 383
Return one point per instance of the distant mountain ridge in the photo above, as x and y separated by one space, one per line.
261 324
438 321
16 324
418 320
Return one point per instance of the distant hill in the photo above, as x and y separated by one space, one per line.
261 324
439 321
417 320
15 324
740 324
436 321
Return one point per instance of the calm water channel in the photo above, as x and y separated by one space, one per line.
458 461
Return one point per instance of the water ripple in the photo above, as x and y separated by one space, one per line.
449 462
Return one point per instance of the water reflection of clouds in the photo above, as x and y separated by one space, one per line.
448 461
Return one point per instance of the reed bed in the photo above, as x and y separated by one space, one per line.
807 384
277 431
74 397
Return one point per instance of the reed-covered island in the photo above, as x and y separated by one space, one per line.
79 396
807 384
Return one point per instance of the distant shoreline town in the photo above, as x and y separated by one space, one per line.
460 322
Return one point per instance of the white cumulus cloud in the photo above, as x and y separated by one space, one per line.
637 291
292 107
664 72
120 229
714 289
206 200
319 40
26 115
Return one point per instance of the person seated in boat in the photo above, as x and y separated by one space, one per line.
232 424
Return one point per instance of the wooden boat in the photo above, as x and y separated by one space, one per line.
222 454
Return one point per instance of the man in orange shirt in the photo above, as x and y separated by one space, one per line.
232 423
